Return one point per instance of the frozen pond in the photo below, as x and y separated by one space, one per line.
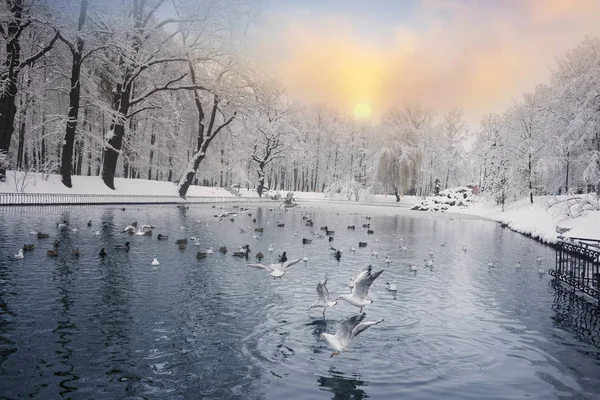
116 327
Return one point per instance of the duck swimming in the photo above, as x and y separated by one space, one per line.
123 246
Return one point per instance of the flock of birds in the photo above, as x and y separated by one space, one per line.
360 284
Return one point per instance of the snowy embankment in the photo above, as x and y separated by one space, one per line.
21 182
541 219
579 214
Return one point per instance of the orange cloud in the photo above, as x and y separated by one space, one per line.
477 55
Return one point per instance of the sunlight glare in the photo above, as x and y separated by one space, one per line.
362 111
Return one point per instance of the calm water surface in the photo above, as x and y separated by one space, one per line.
116 327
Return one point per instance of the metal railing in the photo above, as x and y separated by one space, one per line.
578 265
10 199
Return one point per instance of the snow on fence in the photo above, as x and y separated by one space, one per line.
8 199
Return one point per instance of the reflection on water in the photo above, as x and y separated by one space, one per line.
114 326
575 314
343 388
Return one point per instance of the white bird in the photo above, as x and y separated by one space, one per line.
560 230
518 264
429 263
197 243
210 250
431 253
305 258
363 282
19 255
277 270
129 228
403 248
352 249
61 225
401 238
491 264
255 236
271 248
387 260
391 286
296 233
541 270
464 248
377 239
374 253
155 261
323 294
538 259
97 233
349 328
412 268
33 232
443 243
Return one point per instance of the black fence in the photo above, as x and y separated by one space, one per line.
578 265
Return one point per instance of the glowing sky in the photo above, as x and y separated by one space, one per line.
478 55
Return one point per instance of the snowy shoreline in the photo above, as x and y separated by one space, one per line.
538 220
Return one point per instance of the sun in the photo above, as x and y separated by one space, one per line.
362 111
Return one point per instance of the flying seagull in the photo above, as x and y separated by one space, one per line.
349 328
277 270
364 280
323 300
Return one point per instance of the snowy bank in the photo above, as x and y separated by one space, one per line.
540 220
37 183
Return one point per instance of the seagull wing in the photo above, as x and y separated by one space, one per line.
364 280
289 263
261 266
322 291
346 328
358 329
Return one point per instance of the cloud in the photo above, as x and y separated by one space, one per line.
474 54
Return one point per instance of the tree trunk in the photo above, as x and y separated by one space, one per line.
8 111
396 194
74 94
261 178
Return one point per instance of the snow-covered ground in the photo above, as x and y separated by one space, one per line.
539 220
35 183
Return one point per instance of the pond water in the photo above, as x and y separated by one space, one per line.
117 327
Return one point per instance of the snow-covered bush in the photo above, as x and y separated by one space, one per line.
348 188
455 197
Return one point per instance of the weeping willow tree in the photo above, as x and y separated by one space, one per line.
397 168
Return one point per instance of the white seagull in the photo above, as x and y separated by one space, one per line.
412 268
349 328
363 282
271 248
323 300
277 270
305 258
518 264
155 261
392 287
19 255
